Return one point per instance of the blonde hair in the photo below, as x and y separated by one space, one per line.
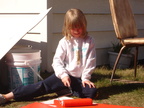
74 18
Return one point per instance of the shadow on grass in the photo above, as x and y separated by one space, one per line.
96 77
106 92
109 89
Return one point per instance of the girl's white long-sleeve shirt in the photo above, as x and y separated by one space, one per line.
65 59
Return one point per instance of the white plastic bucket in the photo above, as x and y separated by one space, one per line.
23 67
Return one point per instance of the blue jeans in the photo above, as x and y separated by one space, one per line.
50 85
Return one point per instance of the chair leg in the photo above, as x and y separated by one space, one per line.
116 62
135 62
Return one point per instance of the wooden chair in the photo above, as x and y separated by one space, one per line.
125 29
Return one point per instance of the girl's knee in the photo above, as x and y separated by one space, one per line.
93 93
90 92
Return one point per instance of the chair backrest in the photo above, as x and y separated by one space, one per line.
123 19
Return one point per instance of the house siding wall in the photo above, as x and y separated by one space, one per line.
48 33
99 21
99 24
138 10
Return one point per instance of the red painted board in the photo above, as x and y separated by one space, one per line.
41 105
36 105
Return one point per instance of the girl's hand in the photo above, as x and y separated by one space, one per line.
66 81
91 84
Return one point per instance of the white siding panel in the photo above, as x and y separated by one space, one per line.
56 38
22 6
58 23
99 22
104 39
95 22
11 23
88 6
104 43
34 37
141 49
141 53
102 57
139 21
137 6
141 33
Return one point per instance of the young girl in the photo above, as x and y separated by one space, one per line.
73 64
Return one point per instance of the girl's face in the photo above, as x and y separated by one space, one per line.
76 32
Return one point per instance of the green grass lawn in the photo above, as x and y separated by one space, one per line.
127 90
